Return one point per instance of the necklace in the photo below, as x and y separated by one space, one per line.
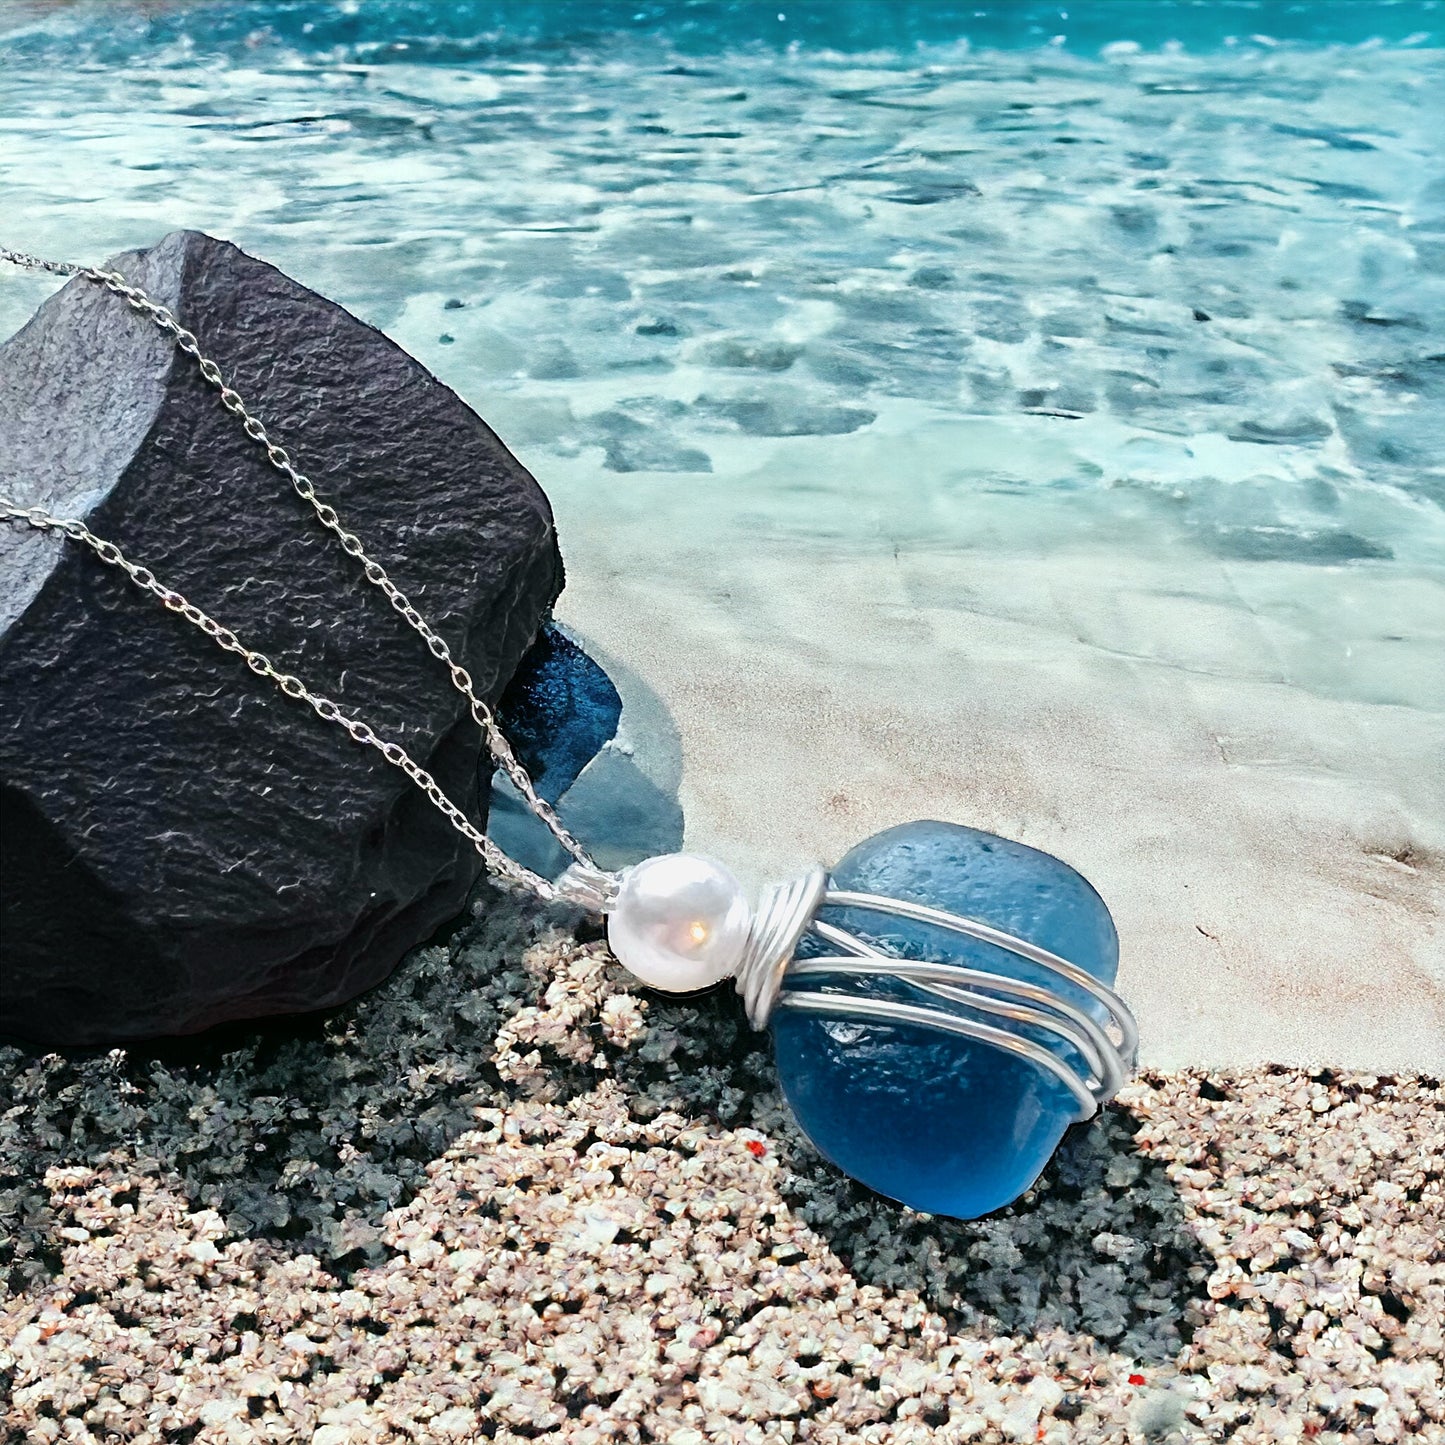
933 1035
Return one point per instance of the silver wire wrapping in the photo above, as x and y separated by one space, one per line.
767 972
783 915
789 911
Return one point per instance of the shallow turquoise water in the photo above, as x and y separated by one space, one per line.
461 29
1191 257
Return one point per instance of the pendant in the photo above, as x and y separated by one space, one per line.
941 1007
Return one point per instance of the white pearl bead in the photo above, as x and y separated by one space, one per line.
680 922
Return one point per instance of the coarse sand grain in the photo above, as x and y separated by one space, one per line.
503 1199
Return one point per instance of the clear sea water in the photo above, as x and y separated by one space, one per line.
1190 256
962 367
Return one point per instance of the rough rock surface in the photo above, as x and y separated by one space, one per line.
500 1198
182 845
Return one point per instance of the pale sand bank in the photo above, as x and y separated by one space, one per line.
1245 757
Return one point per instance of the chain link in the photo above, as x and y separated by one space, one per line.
372 570
38 263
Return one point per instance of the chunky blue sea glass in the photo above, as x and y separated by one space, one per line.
940 1122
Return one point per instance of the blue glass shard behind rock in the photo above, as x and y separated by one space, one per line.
558 711
945 1124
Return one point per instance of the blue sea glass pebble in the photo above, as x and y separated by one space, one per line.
943 1123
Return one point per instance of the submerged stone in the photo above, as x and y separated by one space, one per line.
943 1123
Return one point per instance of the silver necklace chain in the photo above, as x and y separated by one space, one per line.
786 912
505 867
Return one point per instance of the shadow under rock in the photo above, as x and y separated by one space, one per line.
253 1120
307 1132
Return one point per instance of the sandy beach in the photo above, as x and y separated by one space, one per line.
506 1200
1024 415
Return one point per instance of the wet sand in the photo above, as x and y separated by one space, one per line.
1272 845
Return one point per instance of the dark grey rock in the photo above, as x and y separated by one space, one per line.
181 844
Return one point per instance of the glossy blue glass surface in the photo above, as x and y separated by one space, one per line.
939 1122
